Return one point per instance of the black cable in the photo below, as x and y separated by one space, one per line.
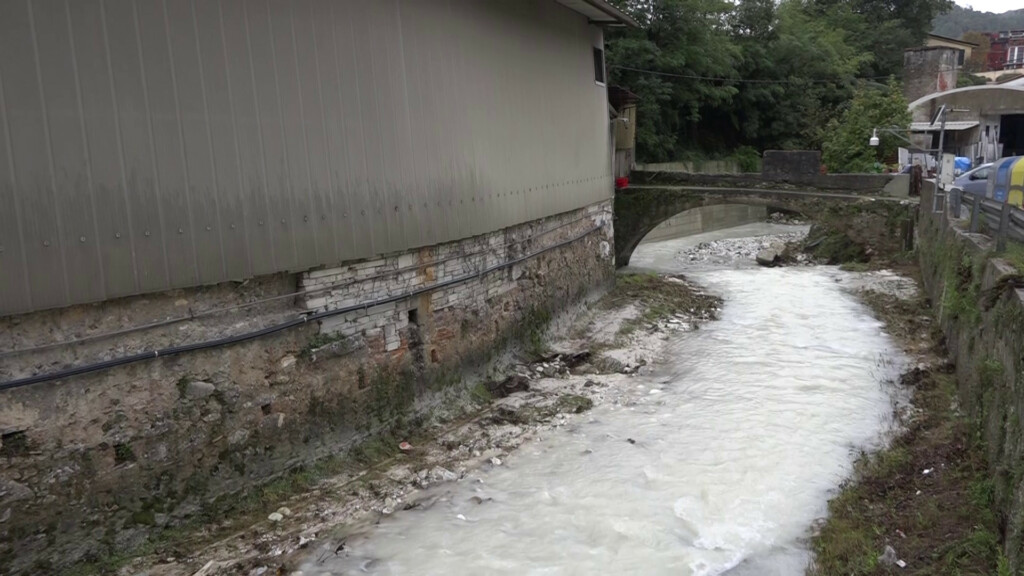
744 80
174 350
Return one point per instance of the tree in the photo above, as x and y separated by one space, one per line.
846 147
680 42
883 28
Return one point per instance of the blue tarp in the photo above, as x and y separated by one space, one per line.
961 165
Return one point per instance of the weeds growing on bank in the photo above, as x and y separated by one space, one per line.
660 297
1014 255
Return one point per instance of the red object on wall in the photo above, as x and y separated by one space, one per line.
621 183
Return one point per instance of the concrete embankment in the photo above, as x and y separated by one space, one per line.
978 297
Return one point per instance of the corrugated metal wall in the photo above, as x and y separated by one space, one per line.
154 144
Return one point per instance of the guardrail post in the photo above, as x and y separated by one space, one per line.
955 197
1004 227
975 212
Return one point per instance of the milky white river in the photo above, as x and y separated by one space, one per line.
720 464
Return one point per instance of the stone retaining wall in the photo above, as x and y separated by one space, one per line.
93 465
979 299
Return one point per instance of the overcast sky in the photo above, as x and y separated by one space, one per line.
996 6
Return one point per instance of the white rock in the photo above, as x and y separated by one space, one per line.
284 511
439 474
888 557
275 517
496 461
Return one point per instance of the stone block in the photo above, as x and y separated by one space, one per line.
199 389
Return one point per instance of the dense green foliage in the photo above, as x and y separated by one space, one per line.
714 76
960 20
846 148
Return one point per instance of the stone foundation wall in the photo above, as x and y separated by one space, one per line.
95 463
979 299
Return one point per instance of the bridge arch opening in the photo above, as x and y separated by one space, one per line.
715 217
639 213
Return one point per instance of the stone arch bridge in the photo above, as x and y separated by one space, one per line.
639 209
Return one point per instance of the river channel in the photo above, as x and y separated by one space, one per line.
721 464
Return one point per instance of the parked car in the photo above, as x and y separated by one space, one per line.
974 181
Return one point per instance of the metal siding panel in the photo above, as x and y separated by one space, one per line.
132 121
386 174
409 186
222 138
424 134
71 176
356 126
334 114
293 130
99 121
388 89
366 127
318 151
196 155
244 107
364 53
169 166
15 293
278 185
29 162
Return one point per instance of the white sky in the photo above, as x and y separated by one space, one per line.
996 6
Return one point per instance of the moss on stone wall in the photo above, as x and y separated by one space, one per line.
982 317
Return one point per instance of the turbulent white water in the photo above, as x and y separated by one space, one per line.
718 462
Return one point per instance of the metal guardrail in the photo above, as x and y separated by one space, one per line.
1000 219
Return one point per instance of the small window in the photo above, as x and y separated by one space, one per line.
599 66
981 174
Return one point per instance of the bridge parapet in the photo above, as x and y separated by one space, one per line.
857 183
639 209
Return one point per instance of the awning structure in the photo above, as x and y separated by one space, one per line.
950 126
600 12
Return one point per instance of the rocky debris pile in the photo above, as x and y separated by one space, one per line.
783 218
730 250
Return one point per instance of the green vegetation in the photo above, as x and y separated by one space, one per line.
660 297
715 75
846 148
940 523
965 79
1014 255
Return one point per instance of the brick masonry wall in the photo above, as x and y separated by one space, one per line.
97 462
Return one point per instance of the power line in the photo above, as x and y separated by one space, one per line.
741 80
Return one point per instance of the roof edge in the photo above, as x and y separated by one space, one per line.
934 95
956 40
616 17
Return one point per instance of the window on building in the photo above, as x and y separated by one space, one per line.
599 65
1015 56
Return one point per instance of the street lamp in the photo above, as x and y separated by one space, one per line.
895 131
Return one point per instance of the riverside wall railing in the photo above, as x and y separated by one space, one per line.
1002 220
